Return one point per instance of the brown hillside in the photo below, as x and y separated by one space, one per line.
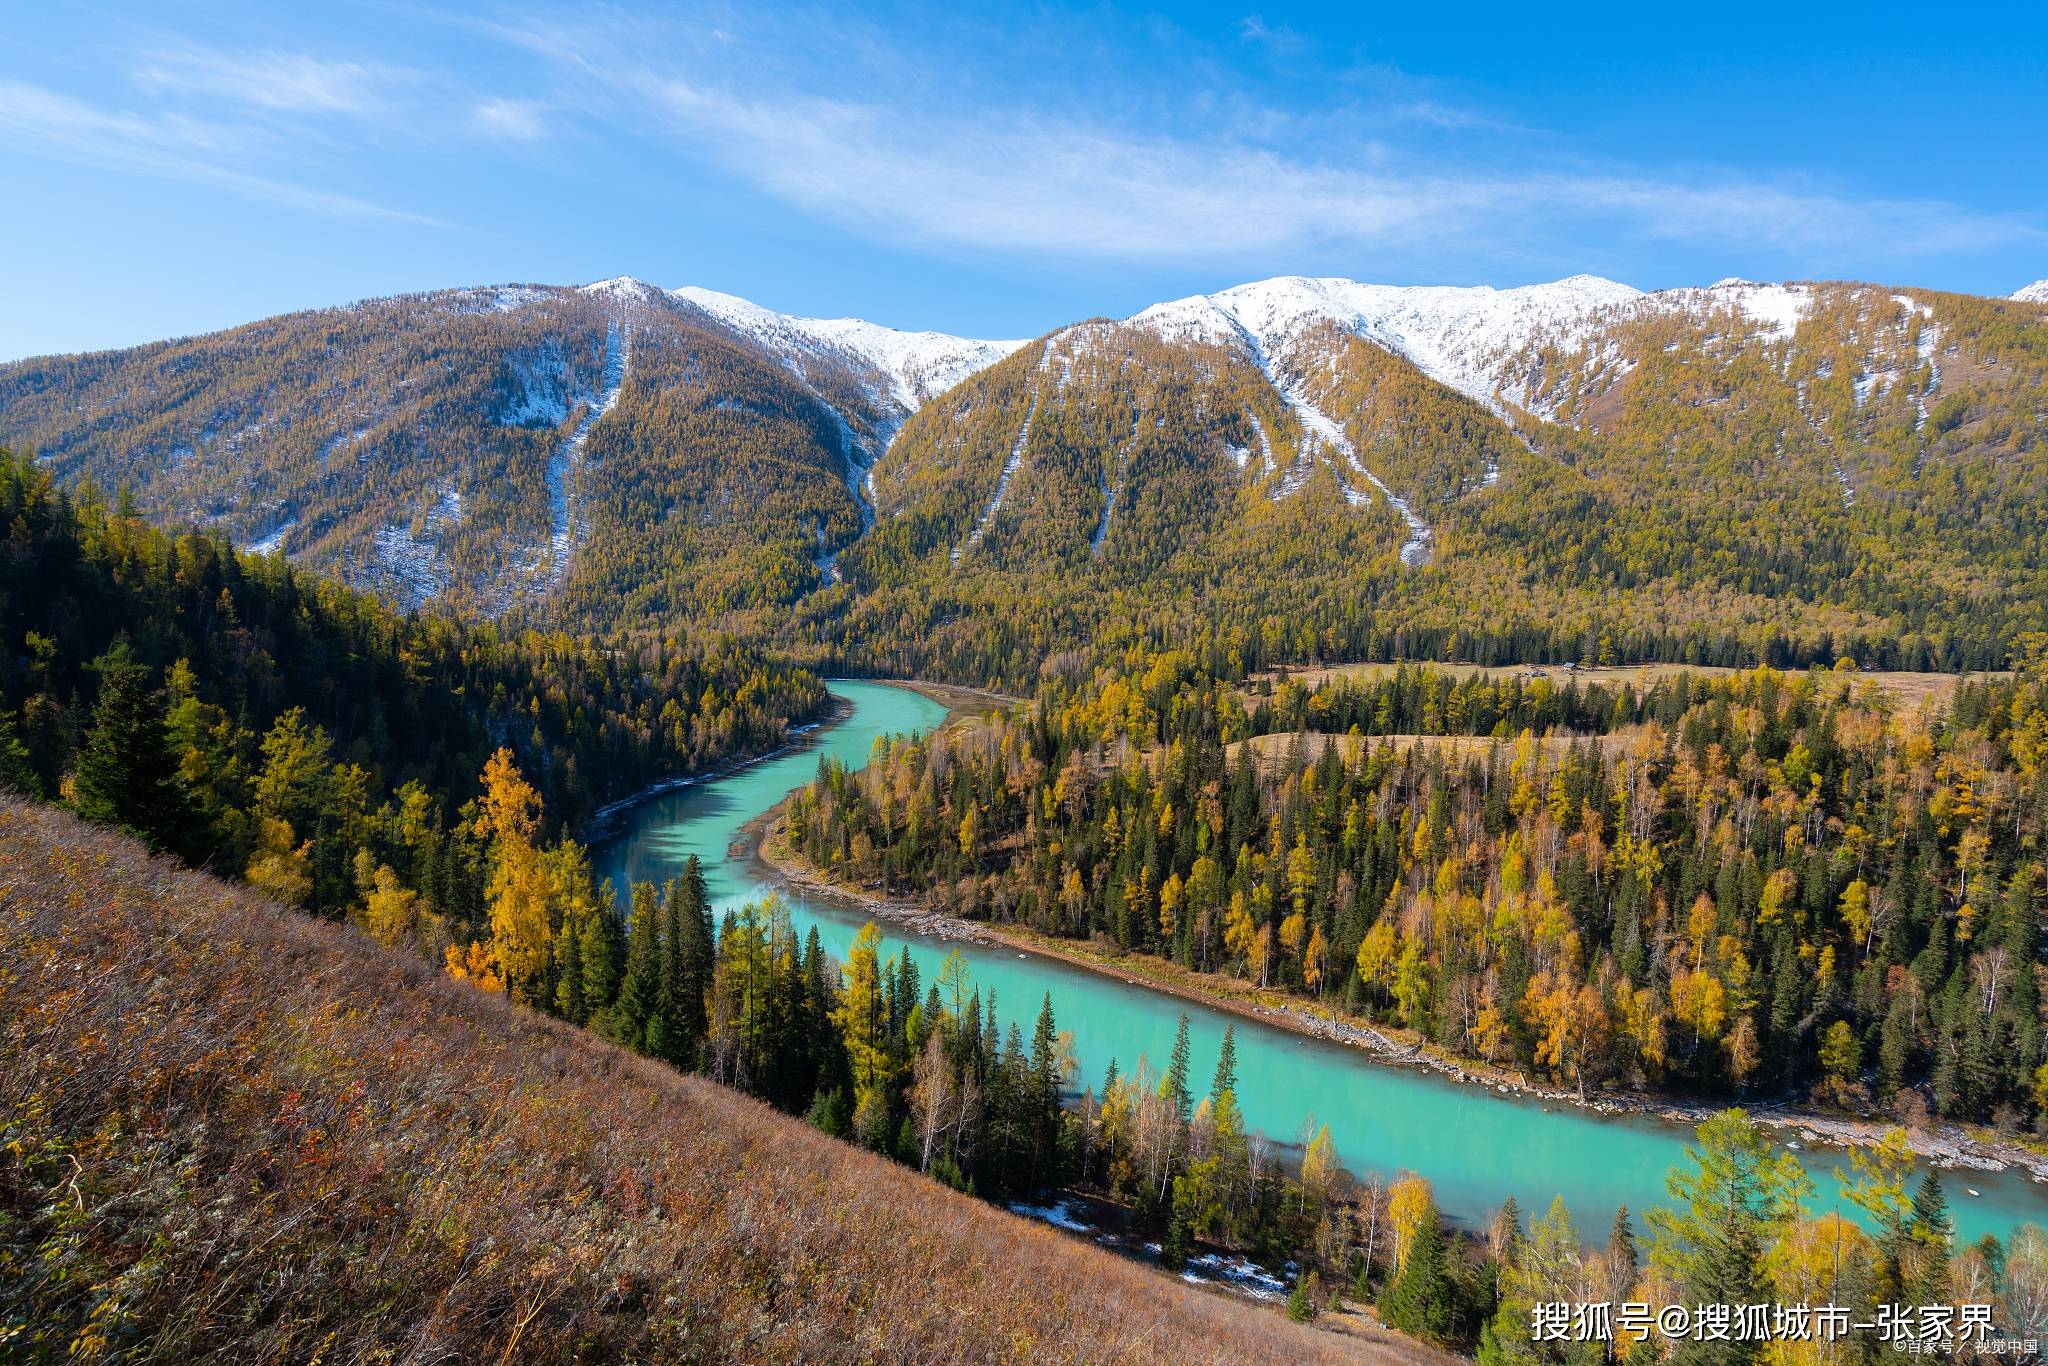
235 1132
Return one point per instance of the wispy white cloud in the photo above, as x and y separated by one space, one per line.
290 82
1068 187
1058 182
1438 114
517 120
1253 28
176 147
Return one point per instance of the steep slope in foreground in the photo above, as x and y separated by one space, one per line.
233 1131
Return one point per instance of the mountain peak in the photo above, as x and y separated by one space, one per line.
622 287
2035 293
1457 334
917 365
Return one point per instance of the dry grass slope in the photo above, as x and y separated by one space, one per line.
233 1132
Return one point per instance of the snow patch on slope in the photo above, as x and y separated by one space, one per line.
411 564
567 462
1461 337
1466 338
623 289
2035 293
1015 460
916 366
540 395
1268 320
272 541
1775 309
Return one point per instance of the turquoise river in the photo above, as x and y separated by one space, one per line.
1475 1144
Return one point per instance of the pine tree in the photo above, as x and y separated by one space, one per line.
695 950
1420 1300
1621 1248
1178 1243
1934 1233
1226 1065
1742 1194
1045 1096
598 953
127 775
640 990
569 1002
991 1042
1174 1086
1301 1301
702 939
17 773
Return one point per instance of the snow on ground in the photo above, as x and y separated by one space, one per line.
1461 337
1265 443
917 366
623 289
340 441
2035 293
1927 353
567 461
1268 320
413 563
1467 338
1210 1268
1101 533
1775 309
1060 1214
1112 492
1015 460
1236 1272
1885 367
911 367
272 541
488 299
542 398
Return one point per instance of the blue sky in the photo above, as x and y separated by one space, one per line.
995 172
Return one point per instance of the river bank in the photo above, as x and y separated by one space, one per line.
958 700
603 821
765 841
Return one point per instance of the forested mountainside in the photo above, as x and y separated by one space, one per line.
233 1133
1316 469
254 718
611 451
1792 885
1291 469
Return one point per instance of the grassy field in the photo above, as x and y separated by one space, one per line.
236 1133
1270 750
1905 688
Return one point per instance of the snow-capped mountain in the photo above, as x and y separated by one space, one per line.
1467 338
918 365
2035 293
570 448
1458 336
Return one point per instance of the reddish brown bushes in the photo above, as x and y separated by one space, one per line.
231 1131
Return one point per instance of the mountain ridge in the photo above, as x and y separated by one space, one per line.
1825 462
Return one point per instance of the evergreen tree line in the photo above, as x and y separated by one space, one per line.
268 724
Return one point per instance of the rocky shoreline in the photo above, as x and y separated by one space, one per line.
1944 1146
